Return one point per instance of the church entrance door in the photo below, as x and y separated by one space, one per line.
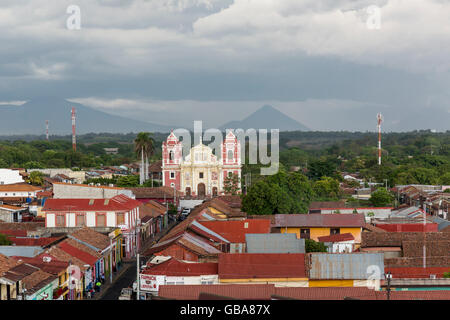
201 190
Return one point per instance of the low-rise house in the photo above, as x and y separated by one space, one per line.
274 243
330 207
9 176
339 243
55 268
18 193
411 244
281 269
78 271
11 213
10 284
186 246
159 194
117 212
176 272
109 249
344 269
159 215
85 191
234 231
313 226
77 176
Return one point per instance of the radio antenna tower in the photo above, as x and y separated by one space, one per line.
74 138
46 130
380 119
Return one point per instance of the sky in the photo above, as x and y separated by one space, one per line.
329 64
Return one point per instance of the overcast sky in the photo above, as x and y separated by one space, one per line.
175 61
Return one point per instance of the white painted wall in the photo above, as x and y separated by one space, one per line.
50 220
8 176
90 219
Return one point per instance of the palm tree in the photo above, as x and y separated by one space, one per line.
143 146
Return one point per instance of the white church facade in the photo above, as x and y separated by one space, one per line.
200 173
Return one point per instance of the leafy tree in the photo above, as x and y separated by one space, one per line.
172 209
231 184
445 179
381 197
128 181
4 240
314 246
326 187
36 178
447 274
320 168
280 193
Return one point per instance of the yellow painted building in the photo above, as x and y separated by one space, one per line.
313 226
316 232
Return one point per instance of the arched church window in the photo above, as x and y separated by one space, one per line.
230 154
171 155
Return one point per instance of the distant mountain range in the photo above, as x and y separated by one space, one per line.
267 117
30 117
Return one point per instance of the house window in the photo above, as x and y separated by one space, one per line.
200 175
304 233
80 220
120 218
60 220
335 231
101 220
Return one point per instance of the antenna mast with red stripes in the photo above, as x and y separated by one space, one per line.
380 119
74 138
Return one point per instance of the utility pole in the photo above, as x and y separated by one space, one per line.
389 276
137 278
74 137
110 260
424 240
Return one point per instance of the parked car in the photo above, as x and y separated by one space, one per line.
126 294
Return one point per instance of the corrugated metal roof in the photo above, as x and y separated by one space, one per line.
274 243
319 220
23 251
261 265
345 266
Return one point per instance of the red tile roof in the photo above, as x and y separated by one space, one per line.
235 230
52 265
410 272
174 267
261 265
269 291
75 252
237 291
41 242
117 203
337 237
320 220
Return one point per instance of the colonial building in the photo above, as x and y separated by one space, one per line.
201 172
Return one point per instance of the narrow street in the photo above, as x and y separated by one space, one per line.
128 276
